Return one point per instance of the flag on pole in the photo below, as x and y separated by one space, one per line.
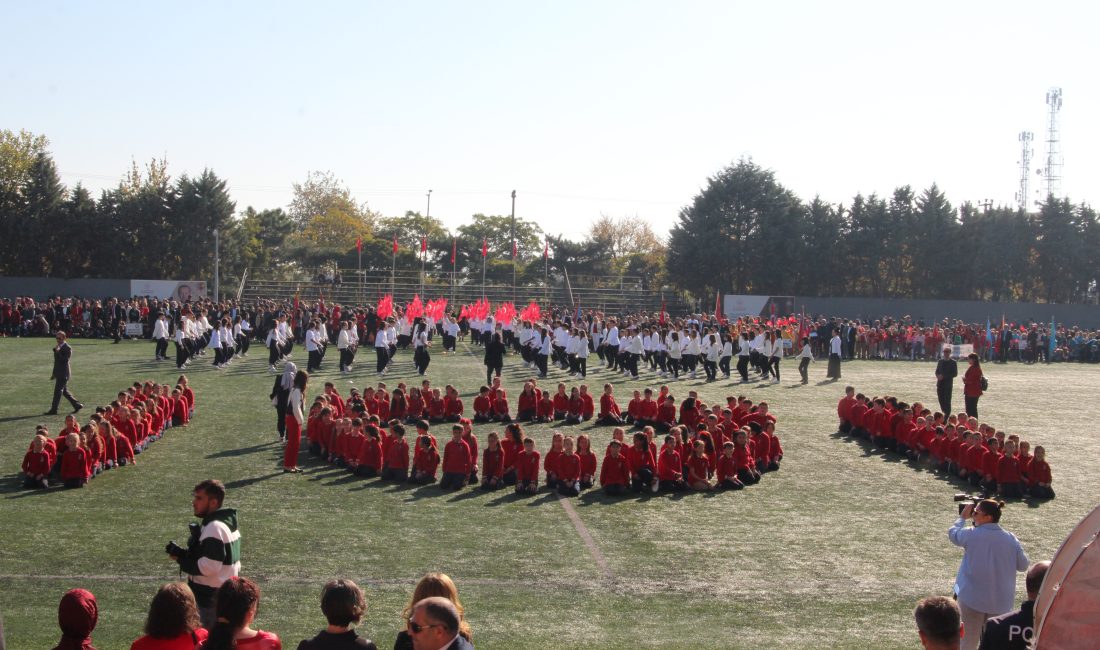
423 244
395 243
359 243
484 247
514 249
546 250
988 331
454 249
661 321
1053 341
718 308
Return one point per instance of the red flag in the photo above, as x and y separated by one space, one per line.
454 249
484 248
423 244
359 243
718 309
662 320
546 250
514 249
395 244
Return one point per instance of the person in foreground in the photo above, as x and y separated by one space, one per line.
986 582
431 585
343 605
173 622
939 623
434 625
237 602
213 553
1014 630
77 615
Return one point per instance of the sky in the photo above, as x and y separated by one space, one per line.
622 108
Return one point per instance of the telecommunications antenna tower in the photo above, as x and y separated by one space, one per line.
1026 151
1052 172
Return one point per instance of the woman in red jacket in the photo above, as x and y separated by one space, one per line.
972 384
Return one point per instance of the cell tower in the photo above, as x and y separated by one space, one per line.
1026 151
1052 173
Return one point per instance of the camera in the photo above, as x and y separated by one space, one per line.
174 549
964 499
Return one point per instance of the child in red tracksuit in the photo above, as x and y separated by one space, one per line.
610 415
743 463
575 409
471 441
1038 474
452 410
36 465
457 461
569 470
615 473
1008 473
550 460
500 408
643 466
492 463
545 410
396 465
589 408
512 446
666 414
699 468
74 463
561 403
669 467
527 468
427 462
726 472
483 405
588 461
369 459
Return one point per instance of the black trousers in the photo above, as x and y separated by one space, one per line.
612 353
61 387
803 367
422 358
724 365
383 357
943 392
181 355
774 362
834 367
273 355
971 405
541 362
490 370
162 349
743 367
314 362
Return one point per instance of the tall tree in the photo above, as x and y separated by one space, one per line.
322 193
40 217
19 153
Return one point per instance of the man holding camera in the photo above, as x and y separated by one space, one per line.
986 582
213 553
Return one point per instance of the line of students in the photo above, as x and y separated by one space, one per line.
112 437
955 444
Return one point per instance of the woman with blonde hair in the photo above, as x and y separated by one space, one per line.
433 584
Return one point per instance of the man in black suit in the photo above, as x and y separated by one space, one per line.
946 371
434 624
61 374
1015 629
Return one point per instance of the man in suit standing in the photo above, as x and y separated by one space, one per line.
61 374
434 625
946 371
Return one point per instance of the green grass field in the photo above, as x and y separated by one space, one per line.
832 551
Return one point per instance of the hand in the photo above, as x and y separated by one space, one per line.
175 558
967 512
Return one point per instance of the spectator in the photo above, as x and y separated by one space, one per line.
237 600
434 625
173 622
1014 630
972 384
77 615
938 623
433 585
343 605
986 582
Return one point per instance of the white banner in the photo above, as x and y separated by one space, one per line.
736 306
181 290
959 350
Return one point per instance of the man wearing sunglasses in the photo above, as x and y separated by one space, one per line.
433 625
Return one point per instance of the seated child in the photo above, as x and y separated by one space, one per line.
726 472
569 470
527 468
492 464
615 473
588 461
36 465
427 462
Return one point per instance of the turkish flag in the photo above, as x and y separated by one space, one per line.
454 249
395 244
423 244
484 248
359 243
546 250
514 249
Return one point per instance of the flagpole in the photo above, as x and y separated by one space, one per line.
393 269
513 246
454 267
484 263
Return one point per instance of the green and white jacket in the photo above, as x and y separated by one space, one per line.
215 557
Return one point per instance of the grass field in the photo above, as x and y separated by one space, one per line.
832 551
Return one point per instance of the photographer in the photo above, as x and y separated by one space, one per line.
213 553
986 582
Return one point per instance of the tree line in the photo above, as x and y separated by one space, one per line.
744 232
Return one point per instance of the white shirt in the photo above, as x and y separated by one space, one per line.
160 329
311 340
834 345
613 336
343 340
380 339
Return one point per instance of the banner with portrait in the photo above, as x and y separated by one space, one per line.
765 307
178 290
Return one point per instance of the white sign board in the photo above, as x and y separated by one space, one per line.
180 290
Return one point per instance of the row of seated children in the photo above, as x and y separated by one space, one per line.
405 404
955 444
571 406
113 436
659 411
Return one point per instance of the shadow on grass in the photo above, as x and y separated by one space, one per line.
509 496
229 453
16 418
245 482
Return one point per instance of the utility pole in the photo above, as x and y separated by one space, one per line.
514 250
217 267
424 248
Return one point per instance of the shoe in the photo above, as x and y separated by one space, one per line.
50 413
76 409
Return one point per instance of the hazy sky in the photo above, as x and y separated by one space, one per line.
584 108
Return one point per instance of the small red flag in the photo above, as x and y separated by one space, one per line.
546 250
514 249
359 243
484 247
662 321
423 244
454 249
395 244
